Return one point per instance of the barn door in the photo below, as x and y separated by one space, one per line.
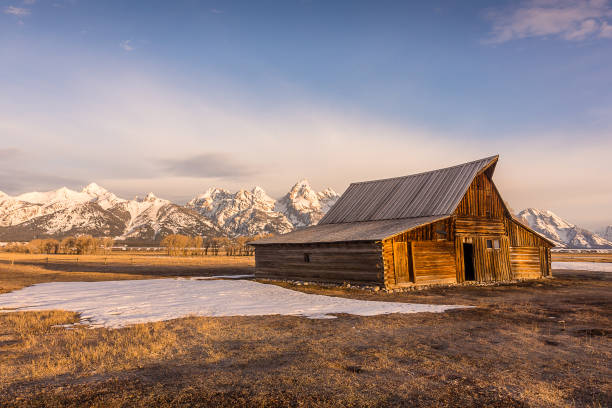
401 262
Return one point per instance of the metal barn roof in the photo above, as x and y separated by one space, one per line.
436 192
354 231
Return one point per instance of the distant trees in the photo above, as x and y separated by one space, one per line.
81 245
86 245
174 245
106 244
177 244
68 245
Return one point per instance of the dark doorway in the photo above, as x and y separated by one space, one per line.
468 261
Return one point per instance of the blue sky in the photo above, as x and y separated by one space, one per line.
178 96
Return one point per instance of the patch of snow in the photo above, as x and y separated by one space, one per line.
117 304
583 266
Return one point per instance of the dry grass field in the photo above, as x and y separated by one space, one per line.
150 264
581 257
541 343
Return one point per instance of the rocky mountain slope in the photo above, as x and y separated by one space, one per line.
607 233
251 212
94 210
564 233
303 206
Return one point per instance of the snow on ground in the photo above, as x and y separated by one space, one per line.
583 266
120 303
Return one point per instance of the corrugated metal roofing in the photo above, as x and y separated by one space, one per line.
434 193
355 231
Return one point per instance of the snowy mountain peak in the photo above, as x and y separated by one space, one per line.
94 189
259 192
151 197
304 183
551 217
564 233
48 197
303 206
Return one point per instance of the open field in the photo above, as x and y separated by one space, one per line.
539 343
581 257
135 263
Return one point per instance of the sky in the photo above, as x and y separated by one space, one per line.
176 97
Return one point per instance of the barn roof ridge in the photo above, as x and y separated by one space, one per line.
490 159
434 192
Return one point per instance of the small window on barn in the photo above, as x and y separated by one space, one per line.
496 244
306 257
440 231
489 244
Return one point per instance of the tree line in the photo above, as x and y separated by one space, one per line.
177 244
174 244
81 245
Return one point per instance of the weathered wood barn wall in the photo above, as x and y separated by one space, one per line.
439 227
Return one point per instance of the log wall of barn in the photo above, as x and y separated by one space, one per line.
526 262
529 253
434 262
338 262
432 253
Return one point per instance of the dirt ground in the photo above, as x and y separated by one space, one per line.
540 343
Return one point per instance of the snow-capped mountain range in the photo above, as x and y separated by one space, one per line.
94 210
564 233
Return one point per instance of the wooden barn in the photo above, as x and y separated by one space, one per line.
439 227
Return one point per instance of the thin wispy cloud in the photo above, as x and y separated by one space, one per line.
15 181
126 45
29 1
571 20
216 11
208 165
606 30
9 153
17 11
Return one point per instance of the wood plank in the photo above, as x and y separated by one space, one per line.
400 262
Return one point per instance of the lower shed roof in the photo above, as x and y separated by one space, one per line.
350 231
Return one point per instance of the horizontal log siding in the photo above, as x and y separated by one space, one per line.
426 233
343 262
434 262
525 262
480 197
479 226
